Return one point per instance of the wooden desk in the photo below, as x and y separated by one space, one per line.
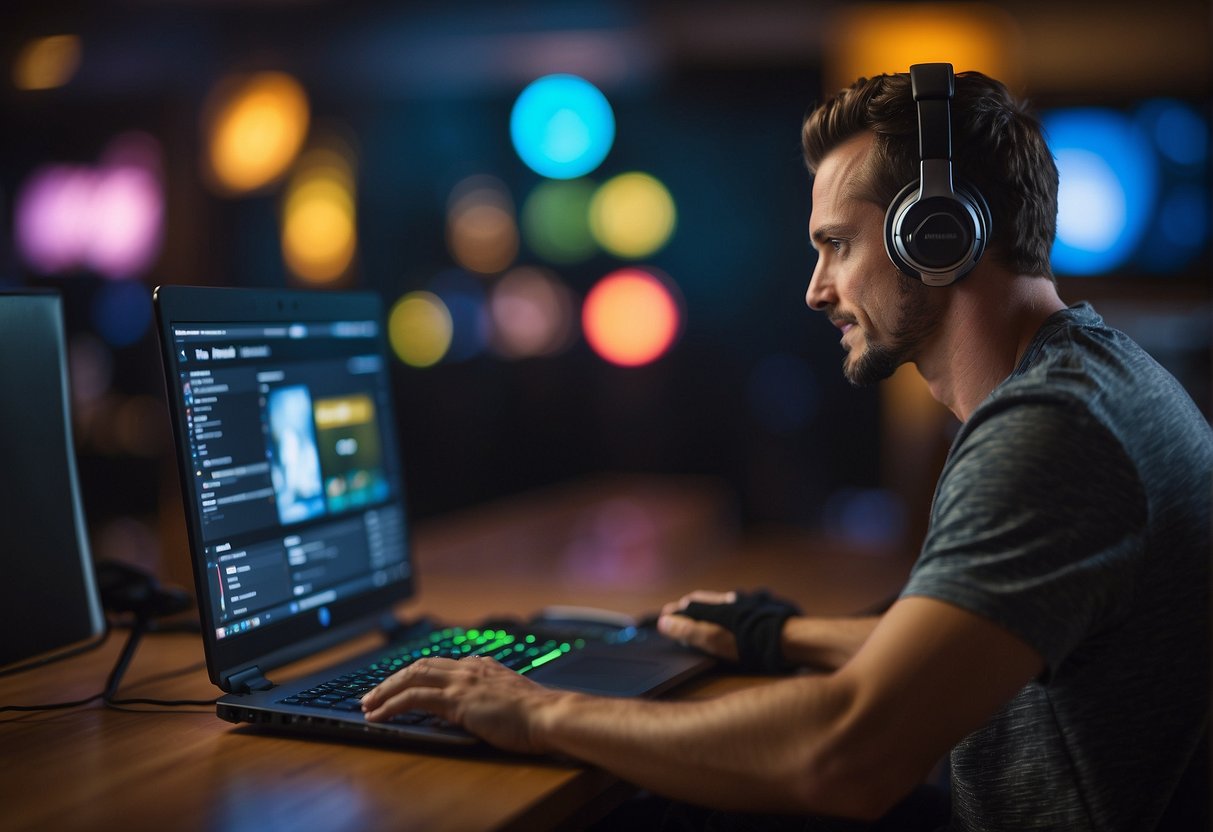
98 768
621 545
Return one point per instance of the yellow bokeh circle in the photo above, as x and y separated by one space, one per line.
319 217
632 215
420 329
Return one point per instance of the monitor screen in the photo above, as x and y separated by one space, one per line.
48 597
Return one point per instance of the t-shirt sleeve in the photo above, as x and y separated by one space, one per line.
1035 518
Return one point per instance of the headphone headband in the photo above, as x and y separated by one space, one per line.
933 87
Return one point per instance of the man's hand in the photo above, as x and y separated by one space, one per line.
703 635
478 694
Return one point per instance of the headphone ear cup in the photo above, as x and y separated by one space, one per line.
964 217
970 194
891 230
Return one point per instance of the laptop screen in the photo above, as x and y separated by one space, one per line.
291 474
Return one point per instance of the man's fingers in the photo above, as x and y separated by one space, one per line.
702 596
677 627
423 672
427 684
479 694
705 596
433 700
703 635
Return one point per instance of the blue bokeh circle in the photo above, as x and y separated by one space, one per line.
562 126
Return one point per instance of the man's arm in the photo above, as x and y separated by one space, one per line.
850 743
825 643
822 643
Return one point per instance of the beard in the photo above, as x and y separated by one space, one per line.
915 324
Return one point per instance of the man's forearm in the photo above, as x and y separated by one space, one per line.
755 749
826 643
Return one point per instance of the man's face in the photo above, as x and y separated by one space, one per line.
885 317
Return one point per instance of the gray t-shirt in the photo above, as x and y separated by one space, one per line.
1074 510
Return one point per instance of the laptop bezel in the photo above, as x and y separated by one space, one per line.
300 635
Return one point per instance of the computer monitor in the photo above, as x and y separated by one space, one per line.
48 594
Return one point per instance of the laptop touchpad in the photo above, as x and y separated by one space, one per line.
605 674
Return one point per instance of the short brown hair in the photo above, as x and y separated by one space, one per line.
998 148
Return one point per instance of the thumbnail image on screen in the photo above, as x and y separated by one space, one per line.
350 455
294 459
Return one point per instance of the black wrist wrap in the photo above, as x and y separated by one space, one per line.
756 620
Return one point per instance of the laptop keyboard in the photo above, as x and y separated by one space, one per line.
522 652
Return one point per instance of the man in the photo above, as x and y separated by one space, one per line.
1053 635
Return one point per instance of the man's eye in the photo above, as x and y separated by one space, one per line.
835 243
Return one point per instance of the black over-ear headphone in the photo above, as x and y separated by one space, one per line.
936 229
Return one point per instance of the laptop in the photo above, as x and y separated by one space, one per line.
49 596
293 485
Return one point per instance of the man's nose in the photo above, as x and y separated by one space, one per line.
821 289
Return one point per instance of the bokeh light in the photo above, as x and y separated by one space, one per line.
1181 224
108 218
52 214
532 314
616 542
1178 131
481 231
556 221
1184 217
319 222
1107 190
632 215
865 516
866 39
464 297
47 63
562 126
254 125
128 222
1180 136
630 317
121 312
419 329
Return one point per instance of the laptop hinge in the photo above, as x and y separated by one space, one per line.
248 680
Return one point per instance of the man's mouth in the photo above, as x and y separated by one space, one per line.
844 325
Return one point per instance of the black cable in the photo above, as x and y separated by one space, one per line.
111 684
54 706
111 689
120 704
124 658
58 657
138 628
164 703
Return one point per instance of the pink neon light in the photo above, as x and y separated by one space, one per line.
108 218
